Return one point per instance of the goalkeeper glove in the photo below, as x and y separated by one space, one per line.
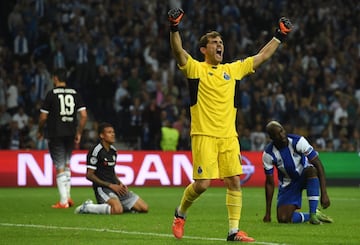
284 28
174 16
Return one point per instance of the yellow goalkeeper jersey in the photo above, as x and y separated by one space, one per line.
214 95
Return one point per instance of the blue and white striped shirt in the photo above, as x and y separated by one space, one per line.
290 161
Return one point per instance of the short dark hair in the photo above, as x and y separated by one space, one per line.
61 74
205 38
102 126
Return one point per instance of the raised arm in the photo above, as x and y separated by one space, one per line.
174 16
269 49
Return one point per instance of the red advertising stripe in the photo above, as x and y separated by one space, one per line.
134 168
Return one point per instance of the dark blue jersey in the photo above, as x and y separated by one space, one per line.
103 162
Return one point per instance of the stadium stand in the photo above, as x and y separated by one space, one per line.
314 89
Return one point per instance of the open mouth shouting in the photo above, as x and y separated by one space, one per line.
219 53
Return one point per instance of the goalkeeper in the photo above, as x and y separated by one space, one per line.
214 101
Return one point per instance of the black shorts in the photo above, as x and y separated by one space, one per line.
60 149
103 194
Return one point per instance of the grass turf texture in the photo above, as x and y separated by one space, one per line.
27 218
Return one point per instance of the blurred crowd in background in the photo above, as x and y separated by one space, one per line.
118 57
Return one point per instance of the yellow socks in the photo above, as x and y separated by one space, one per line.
234 205
188 198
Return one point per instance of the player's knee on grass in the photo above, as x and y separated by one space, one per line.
284 216
116 207
284 219
141 206
117 210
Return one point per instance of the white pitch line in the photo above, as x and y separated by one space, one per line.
123 232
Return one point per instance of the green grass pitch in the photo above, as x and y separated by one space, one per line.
27 218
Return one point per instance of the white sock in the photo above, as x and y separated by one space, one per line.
233 230
98 208
68 182
61 180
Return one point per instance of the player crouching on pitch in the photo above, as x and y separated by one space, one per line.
299 167
113 197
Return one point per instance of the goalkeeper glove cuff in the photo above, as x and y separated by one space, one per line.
279 35
174 28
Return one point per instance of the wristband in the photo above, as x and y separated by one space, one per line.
276 39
